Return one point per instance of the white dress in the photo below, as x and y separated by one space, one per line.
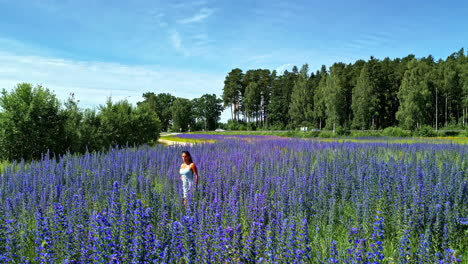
187 180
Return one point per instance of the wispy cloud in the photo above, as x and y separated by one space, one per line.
201 15
186 4
197 43
287 66
93 82
176 40
258 59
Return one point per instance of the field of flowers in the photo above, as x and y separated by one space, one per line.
259 200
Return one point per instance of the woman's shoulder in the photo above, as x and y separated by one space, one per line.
183 165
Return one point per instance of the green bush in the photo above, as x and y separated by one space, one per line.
326 134
373 133
395 132
276 127
236 125
465 133
443 133
425 131
311 134
341 131
251 126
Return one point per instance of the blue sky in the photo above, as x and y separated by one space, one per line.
122 49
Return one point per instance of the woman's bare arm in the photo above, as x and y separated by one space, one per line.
195 171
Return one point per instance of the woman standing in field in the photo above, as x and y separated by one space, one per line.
188 174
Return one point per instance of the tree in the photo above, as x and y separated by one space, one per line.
335 96
464 85
415 96
116 123
264 86
319 112
146 125
208 108
287 84
301 105
275 114
72 116
30 123
365 97
233 91
90 131
161 104
122 124
251 100
182 115
388 98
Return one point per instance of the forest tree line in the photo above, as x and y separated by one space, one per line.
33 121
409 92
375 94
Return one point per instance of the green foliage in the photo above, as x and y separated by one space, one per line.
236 125
30 123
162 105
251 100
319 113
365 96
424 131
335 97
3 164
33 123
251 126
395 132
465 133
327 134
448 133
91 137
182 115
72 117
146 125
301 106
276 126
366 133
342 131
233 91
208 108
122 124
415 96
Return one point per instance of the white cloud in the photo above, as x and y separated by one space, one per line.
185 4
176 40
200 16
287 66
93 82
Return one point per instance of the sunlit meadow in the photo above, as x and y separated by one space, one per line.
261 199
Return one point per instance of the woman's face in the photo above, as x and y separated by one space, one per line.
185 157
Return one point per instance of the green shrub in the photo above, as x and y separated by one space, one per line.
276 127
341 131
312 134
236 125
395 132
368 133
425 131
326 134
251 126
465 133
443 133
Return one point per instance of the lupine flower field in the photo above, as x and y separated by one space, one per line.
259 200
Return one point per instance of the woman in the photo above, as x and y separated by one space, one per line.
187 172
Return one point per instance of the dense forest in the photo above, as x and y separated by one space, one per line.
33 121
407 93
374 94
